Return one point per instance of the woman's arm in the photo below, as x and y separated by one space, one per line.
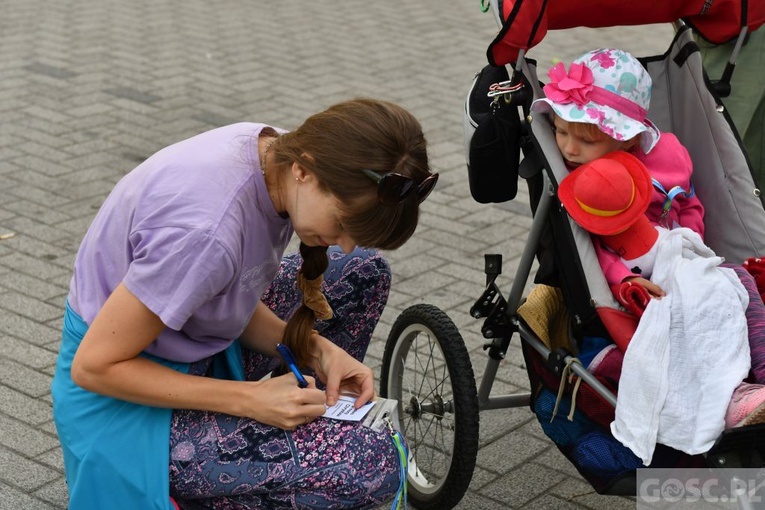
108 362
335 367
264 331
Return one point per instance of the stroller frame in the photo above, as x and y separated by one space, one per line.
426 366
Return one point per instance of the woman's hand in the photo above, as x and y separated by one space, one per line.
653 289
342 372
279 401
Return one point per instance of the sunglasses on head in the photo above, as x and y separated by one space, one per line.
395 188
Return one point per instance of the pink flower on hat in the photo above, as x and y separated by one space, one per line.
605 59
571 87
596 114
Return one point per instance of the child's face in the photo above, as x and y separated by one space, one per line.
578 147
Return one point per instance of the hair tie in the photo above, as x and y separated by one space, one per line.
313 297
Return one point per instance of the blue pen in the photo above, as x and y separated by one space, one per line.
290 361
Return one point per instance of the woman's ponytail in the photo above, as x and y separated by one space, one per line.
299 328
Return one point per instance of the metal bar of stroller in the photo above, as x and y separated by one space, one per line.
485 400
533 340
722 86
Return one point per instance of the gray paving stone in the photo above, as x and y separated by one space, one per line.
40 252
409 267
12 498
548 502
44 166
32 287
26 306
497 424
133 95
27 329
52 458
49 426
24 407
23 378
54 72
54 493
510 451
26 353
24 473
520 486
473 501
18 436
36 211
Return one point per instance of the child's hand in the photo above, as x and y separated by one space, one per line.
653 289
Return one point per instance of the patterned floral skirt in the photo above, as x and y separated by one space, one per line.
225 462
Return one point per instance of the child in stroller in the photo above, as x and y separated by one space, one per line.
608 197
600 106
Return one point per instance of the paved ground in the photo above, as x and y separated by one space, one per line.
89 88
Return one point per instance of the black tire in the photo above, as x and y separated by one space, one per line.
426 367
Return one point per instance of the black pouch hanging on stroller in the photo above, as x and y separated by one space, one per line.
492 139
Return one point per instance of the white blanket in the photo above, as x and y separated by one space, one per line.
689 353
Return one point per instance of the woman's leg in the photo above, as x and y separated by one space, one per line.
220 461
223 462
356 286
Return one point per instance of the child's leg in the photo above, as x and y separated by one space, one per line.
356 286
755 320
747 406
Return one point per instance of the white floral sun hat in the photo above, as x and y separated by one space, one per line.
606 87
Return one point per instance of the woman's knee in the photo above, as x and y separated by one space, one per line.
362 277
367 262
363 273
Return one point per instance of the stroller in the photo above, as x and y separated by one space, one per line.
426 366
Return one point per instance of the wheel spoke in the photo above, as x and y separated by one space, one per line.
431 431
425 366
422 350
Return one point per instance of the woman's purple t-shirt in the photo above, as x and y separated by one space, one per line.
193 234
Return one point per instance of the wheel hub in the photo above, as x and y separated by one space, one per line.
414 409
435 407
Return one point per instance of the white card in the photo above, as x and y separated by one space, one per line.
343 409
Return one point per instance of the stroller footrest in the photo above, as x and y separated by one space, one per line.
740 447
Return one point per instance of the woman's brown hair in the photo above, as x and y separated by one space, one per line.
336 145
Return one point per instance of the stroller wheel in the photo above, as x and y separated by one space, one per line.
426 367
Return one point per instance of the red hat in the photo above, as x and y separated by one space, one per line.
607 195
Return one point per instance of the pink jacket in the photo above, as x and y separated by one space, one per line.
670 164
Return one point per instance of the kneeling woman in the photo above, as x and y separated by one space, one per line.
180 294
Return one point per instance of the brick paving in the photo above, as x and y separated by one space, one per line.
88 89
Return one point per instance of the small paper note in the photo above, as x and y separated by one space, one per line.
343 409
